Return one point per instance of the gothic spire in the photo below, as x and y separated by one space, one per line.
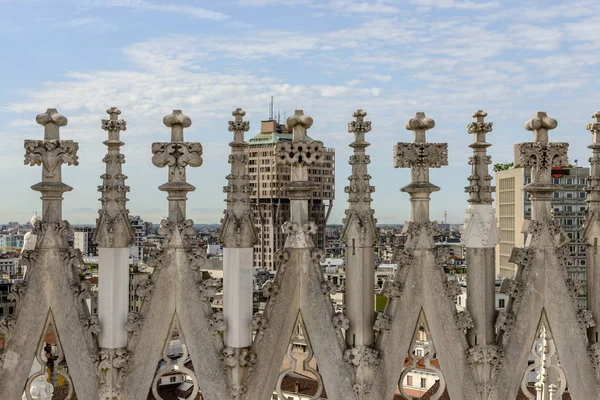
480 188
113 228
237 228
359 190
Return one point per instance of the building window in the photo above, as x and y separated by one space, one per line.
423 382
409 380
500 303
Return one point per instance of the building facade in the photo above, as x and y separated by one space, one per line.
269 200
83 239
514 208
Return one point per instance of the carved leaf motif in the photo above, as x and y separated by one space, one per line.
51 154
420 154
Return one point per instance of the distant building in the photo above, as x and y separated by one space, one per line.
269 201
513 207
11 242
83 239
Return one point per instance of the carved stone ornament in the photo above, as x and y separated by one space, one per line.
383 322
481 354
112 365
340 321
304 152
424 155
585 319
429 228
505 321
51 154
453 288
480 229
463 320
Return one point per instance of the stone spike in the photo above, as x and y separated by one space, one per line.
594 127
419 125
299 123
113 229
51 120
238 126
419 156
51 153
359 234
177 121
177 155
480 189
541 156
299 154
540 125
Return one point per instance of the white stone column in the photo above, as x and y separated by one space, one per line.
113 237
480 236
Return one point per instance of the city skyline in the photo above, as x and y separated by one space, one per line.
446 58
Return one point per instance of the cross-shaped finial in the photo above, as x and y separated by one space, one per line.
177 121
51 120
113 125
299 123
594 127
479 128
419 125
238 126
540 125
360 126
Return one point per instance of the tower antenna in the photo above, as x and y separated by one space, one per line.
271 109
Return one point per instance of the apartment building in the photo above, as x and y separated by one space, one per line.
513 207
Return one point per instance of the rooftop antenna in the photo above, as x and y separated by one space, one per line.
271 109
278 117
445 217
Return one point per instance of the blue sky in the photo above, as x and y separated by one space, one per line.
447 58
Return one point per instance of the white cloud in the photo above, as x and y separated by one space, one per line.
179 8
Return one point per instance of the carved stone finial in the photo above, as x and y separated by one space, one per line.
299 123
480 189
419 156
541 156
113 125
237 228
360 126
177 121
113 229
51 153
177 155
594 127
51 120
238 126
540 125
419 125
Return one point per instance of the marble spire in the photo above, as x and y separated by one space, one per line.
359 234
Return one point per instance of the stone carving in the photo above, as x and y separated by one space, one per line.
424 155
429 228
207 289
340 321
594 355
505 322
484 354
300 336
304 152
270 289
383 322
113 229
112 365
453 289
585 319
480 229
328 288
463 320
393 289
133 326
522 257
185 229
362 388
551 378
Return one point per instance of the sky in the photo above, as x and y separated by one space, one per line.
391 58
